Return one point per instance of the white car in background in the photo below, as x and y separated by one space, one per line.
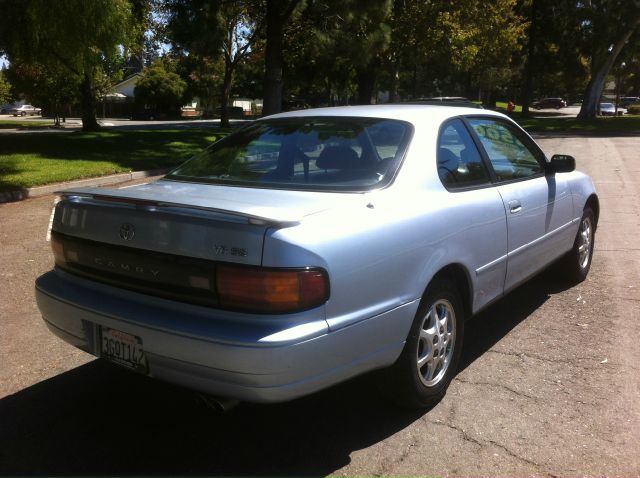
25 110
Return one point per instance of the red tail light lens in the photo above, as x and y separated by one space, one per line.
271 290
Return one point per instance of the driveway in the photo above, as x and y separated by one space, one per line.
549 383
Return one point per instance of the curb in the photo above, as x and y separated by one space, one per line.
19 195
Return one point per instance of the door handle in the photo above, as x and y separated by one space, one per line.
515 206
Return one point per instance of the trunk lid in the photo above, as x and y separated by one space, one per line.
186 219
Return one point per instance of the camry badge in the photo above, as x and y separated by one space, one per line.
127 231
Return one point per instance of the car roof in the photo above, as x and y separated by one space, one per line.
406 112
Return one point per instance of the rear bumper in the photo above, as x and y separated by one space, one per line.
250 358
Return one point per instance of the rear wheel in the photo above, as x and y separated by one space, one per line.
431 354
576 264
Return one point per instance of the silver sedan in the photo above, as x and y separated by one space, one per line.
313 246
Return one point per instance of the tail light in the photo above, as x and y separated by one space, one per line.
271 290
198 281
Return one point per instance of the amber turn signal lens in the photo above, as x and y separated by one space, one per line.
58 250
271 290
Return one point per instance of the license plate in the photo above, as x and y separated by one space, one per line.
123 349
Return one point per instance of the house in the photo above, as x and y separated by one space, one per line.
120 101
126 86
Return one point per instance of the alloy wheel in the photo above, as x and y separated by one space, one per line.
436 342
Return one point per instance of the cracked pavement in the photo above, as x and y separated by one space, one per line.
548 386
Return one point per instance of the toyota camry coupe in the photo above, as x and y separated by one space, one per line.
312 246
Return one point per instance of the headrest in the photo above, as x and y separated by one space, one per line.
337 157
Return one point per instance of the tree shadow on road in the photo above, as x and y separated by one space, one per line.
97 419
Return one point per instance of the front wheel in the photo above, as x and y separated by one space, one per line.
430 357
577 262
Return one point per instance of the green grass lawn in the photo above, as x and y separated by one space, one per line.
556 124
17 123
502 107
627 124
34 159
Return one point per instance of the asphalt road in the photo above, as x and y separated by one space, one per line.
549 383
75 124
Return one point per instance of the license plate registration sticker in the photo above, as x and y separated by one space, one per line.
123 349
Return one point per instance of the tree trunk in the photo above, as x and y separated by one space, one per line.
89 122
366 79
225 94
394 95
273 60
278 13
489 100
594 89
527 88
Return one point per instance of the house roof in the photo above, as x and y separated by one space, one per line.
128 79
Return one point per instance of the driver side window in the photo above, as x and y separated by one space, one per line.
507 149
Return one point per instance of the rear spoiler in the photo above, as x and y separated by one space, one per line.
262 216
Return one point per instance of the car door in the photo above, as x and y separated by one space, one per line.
538 206
475 207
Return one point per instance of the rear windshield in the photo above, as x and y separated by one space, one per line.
344 154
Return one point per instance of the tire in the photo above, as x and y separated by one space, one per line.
23 113
419 379
576 264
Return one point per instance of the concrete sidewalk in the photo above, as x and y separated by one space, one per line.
20 194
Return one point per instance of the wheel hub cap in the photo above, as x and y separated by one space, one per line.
436 342
585 238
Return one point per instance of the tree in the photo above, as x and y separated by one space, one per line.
335 48
606 43
5 89
53 89
203 76
161 89
277 14
442 47
75 35
209 29
241 34
364 36
496 31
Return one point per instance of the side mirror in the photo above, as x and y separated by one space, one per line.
561 163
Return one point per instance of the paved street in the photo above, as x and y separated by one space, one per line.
75 124
549 383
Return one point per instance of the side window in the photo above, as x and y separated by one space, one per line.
459 163
510 152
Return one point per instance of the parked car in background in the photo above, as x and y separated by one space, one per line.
607 109
312 246
627 101
445 101
556 103
4 109
25 110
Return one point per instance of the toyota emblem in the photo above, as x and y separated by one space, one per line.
127 231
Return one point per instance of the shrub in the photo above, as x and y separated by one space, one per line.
161 89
